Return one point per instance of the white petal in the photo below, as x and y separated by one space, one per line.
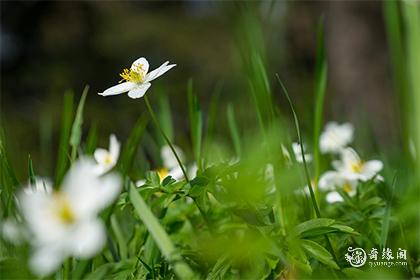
334 197
114 147
88 239
159 71
139 90
329 180
118 89
140 183
100 155
168 157
141 62
87 192
192 170
349 157
41 185
370 169
46 260
176 173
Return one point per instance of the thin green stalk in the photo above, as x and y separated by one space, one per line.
155 120
311 191
122 244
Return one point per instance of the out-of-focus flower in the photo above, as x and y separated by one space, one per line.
65 223
298 153
40 185
331 180
107 159
137 79
171 166
351 167
335 137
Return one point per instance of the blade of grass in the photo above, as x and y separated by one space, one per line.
122 244
387 215
182 270
165 116
196 123
76 131
63 148
91 140
234 132
320 90
305 165
31 172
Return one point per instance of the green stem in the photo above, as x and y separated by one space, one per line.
152 114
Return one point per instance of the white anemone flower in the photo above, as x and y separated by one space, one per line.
331 180
335 137
138 78
298 153
65 223
107 159
351 167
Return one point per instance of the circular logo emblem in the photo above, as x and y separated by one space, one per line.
356 257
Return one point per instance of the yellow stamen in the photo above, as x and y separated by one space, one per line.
347 187
357 167
108 159
163 173
64 212
136 74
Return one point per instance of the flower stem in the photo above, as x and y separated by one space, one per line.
152 114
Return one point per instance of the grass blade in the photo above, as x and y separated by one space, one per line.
63 148
320 90
196 122
234 132
76 131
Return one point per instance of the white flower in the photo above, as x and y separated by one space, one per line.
336 137
137 79
298 153
65 223
107 159
351 167
140 183
331 180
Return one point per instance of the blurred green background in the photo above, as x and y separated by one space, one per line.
50 47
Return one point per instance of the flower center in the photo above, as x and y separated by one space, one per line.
357 167
108 159
136 74
347 187
63 209
163 173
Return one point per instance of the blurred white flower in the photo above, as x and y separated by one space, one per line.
351 167
331 180
298 153
335 137
40 185
107 159
140 183
65 223
137 79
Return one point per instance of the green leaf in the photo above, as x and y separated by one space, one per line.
313 224
319 253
